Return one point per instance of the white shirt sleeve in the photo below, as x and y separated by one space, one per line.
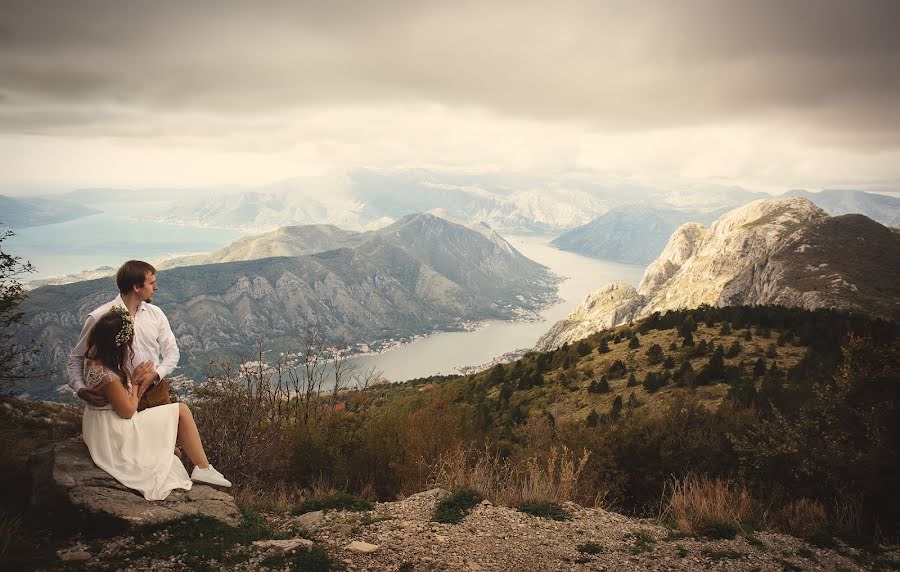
167 347
75 369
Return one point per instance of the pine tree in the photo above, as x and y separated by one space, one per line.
616 409
634 343
759 368
655 354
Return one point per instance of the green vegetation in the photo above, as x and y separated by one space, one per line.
340 500
315 559
590 548
200 542
545 509
643 542
802 440
454 508
718 530
814 422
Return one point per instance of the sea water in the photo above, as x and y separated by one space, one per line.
446 352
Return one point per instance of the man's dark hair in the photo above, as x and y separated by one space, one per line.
131 274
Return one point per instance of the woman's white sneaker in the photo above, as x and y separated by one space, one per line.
210 476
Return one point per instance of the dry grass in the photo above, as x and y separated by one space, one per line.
694 504
281 498
553 478
802 517
10 532
284 498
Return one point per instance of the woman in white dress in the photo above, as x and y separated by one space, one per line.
137 447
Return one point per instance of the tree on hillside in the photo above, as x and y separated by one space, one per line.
759 368
655 354
582 348
599 386
634 343
15 358
616 410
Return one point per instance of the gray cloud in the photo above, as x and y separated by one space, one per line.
828 70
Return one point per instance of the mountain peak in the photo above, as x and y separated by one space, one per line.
787 252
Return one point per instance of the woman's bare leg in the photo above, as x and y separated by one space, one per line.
189 437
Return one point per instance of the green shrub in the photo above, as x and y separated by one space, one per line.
590 548
316 559
545 509
643 542
340 500
456 506
718 530
200 541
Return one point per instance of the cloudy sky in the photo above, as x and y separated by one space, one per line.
770 95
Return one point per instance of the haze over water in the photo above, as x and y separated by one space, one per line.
444 352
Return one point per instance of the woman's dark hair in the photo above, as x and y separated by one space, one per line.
102 344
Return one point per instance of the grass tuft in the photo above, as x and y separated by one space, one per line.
718 530
201 542
316 559
643 542
545 509
338 500
590 548
455 507
722 554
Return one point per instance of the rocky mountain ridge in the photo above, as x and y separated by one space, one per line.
23 212
631 234
419 275
770 252
636 233
880 208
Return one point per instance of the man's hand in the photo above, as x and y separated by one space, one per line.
144 376
93 397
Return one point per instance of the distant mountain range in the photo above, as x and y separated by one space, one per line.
880 208
367 199
784 252
631 234
416 276
634 234
23 212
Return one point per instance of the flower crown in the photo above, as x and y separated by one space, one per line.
127 331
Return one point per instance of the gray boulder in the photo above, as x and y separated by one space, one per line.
65 481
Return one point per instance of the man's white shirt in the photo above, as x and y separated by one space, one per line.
153 338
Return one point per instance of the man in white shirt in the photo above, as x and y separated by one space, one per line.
153 337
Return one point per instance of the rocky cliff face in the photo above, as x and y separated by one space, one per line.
780 252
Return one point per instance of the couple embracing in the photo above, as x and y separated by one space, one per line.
126 347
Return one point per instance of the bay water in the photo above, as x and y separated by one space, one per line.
445 352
